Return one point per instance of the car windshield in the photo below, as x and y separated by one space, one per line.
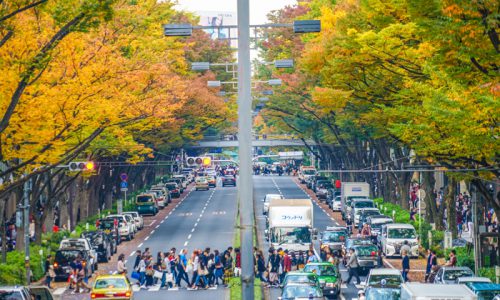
326 185
364 204
384 280
354 242
300 291
402 233
301 278
144 199
454 274
334 236
487 295
296 235
368 250
10 295
73 244
65 256
170 186
106 224
383 294
378 225
309 172
321 270
110 283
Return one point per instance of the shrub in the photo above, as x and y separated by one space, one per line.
487 272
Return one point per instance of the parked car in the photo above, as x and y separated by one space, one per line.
184 181
14 293
40 292
377 221
63 260
125 229
301 291
102 245
306 172
174 189
164 192
450 275
367 257
139 220
108 227
179 184
146 204
329 277
474 279
201 184
84 245
334 202
267 199
357 206
319 181
322 189
385 293
112 287
159 197
393 236
228 180
364 213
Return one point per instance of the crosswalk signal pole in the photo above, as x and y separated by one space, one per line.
245 187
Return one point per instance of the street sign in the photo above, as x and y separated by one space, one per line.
123 189
124 176
124 185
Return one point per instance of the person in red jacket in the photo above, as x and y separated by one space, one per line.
287 265
237 263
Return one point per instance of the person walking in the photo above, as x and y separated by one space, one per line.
211 269
49 271
353 266
173 264
219 267
201 274
120 265
237 262
195 263
274 263
261 266
287 265
141 268
452 262
311 257
405 265
165 269
181 268
431 264
138 257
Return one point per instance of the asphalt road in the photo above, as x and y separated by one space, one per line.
287 187
203 219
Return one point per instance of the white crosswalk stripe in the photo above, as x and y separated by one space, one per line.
156 288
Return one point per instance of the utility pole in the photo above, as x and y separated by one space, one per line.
475 231
26 207
245 187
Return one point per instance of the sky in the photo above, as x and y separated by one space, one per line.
258 8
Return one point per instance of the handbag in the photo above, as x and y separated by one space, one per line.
135 275
158 275
169 277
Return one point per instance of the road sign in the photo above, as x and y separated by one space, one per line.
124 176
124 185
123 189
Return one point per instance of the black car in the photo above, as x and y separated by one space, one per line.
63 260
102 243
228 180
173 188
108 227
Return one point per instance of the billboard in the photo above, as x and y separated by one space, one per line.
218 19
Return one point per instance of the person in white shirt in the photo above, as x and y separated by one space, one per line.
120 267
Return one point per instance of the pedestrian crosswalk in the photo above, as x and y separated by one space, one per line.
156 288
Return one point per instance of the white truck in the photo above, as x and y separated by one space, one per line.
427 291
350 191
290 224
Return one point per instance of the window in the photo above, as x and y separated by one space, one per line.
297 235
366 250
144 199
301 291
110 283
334 236
402 233
11 295
364 204
454 274
390 280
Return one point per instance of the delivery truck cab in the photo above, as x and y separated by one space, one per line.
290 224
351 191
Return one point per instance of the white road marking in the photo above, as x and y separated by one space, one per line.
59 291
162 222
154 288
132 254
136 288
139 246
198 220
186 243
192 230
195 224
189 236
147 238
157 226
152 223
152 232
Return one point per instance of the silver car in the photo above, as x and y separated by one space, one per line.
266 201
450 275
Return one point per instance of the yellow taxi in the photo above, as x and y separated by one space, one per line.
212 182
201 184
111 287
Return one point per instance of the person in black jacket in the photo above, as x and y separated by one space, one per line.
406 265
137 259
274 262
261 266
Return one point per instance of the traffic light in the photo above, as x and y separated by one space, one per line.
76 166
199 161
207 161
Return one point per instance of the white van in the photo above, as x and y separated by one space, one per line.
393 236
427 291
